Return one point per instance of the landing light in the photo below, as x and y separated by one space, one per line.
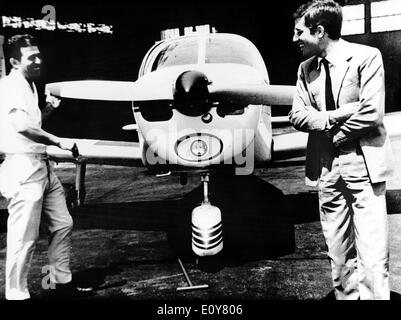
199 148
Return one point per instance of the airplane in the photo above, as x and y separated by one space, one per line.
202 102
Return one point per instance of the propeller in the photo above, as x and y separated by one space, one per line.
193 94
254 94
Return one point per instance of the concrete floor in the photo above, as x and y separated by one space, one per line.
128 235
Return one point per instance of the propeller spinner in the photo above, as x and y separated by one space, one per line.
191 94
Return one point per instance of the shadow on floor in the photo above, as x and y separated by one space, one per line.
256 222
94 278
258 219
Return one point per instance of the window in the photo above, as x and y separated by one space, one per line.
177 53
229 51
386 15
353 19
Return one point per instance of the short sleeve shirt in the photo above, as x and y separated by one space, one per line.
17 94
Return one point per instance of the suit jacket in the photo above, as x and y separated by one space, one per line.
357 78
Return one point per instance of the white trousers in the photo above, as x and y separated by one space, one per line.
354 221
39 193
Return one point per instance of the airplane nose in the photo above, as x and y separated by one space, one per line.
191 94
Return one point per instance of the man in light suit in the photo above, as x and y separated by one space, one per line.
340 102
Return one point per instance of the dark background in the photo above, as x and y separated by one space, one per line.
136 27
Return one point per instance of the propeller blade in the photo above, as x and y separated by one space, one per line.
93 90
147 88
157 85
254 94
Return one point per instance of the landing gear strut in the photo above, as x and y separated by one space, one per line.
80 182
75 194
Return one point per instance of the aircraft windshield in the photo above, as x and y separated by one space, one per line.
218 50
177 53
229 51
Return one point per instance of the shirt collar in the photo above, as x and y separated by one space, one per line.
17 76
336 54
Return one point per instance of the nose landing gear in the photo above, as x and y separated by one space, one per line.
207 233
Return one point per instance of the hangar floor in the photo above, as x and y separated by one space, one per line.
128 235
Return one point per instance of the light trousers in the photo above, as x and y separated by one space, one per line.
354 221
38 194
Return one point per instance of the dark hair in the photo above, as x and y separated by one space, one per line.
326 13
15 43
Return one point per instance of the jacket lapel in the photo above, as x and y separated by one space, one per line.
311 75
342 67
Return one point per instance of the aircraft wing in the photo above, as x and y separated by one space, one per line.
101 152
290 143
392 122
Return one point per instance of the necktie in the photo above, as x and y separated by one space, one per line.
330 105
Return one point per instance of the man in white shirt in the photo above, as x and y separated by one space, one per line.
27 179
